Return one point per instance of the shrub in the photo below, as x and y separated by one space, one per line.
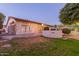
46 28
66 31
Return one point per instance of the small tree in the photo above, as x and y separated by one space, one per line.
46 28
2 17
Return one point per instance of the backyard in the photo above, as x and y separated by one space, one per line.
41 46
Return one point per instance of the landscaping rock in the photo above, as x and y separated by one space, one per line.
3 40
6 46
7 37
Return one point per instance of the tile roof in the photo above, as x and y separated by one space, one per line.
26 20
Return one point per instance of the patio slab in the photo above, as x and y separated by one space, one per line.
9 37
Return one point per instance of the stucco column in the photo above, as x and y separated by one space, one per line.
50 28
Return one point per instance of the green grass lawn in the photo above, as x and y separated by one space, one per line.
54 47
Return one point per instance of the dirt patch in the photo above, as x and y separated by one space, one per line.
6 46
26 42
74 37
3 42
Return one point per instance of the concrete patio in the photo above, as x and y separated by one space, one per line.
9 37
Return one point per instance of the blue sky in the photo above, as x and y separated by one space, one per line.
41 12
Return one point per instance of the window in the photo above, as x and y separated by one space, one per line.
24 28
29 28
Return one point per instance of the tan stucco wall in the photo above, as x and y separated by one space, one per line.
9 21
34 28
52 34
20 26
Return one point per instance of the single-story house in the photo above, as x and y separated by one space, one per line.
22 26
